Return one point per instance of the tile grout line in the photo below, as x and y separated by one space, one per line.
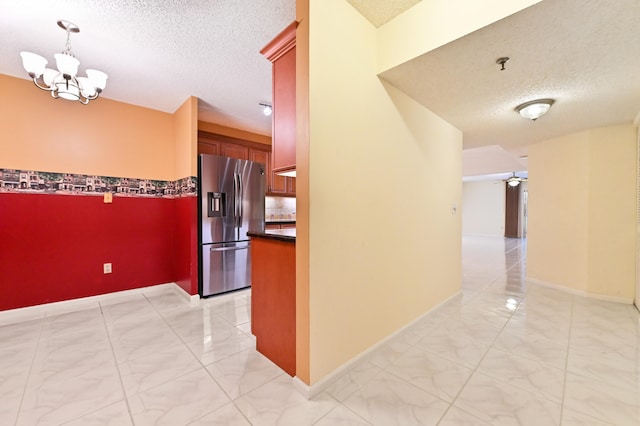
566 362
340 404
115 360
33 358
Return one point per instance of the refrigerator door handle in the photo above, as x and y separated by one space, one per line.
240 195
228 248
235 195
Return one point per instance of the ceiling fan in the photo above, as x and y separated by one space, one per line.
514 180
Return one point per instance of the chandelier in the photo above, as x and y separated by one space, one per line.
63 82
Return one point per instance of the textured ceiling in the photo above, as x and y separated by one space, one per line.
157 53
583 53
379 12
488 160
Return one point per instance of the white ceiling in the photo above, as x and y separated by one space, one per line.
583 53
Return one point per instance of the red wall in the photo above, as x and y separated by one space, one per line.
186 244
52 247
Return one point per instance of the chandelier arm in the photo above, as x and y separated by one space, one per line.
35 81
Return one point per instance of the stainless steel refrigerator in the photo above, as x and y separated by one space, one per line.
231 195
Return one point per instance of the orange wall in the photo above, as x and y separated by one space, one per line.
186 139
105 138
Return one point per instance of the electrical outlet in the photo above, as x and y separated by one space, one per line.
106 268
108 198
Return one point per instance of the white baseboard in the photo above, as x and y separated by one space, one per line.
193 299
603 297
57 308
310 391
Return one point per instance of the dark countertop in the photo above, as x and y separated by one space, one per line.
287 235
279 221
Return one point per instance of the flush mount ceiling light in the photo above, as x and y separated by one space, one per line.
63 83
266 109
534 109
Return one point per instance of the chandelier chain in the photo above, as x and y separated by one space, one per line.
67 45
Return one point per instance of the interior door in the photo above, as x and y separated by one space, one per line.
512 201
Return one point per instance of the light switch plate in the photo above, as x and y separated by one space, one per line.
108 197
106 268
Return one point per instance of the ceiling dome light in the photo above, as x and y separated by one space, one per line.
513 181
63 83
534 109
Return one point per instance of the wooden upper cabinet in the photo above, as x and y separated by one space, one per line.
234 151
208 148
281 51
214 144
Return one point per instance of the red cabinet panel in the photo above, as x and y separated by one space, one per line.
273 300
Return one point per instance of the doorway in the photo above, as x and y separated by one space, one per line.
511 214
516 211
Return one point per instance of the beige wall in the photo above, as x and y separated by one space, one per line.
582 211
483 208
384 173
106 138
612 211
433 23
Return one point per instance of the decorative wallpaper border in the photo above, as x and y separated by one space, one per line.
36 182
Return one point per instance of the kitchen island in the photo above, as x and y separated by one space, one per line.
273 295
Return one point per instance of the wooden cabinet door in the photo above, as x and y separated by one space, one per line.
208 148
284 111
283 185
234 151
292 185
263 157
278 184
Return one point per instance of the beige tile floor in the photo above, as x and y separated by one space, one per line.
504 352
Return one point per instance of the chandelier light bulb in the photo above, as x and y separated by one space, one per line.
33 64
63 82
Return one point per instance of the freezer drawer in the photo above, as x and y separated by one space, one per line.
225 267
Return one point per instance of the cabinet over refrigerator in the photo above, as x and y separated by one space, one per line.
231 203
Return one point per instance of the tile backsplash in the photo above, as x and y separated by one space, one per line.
279 208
